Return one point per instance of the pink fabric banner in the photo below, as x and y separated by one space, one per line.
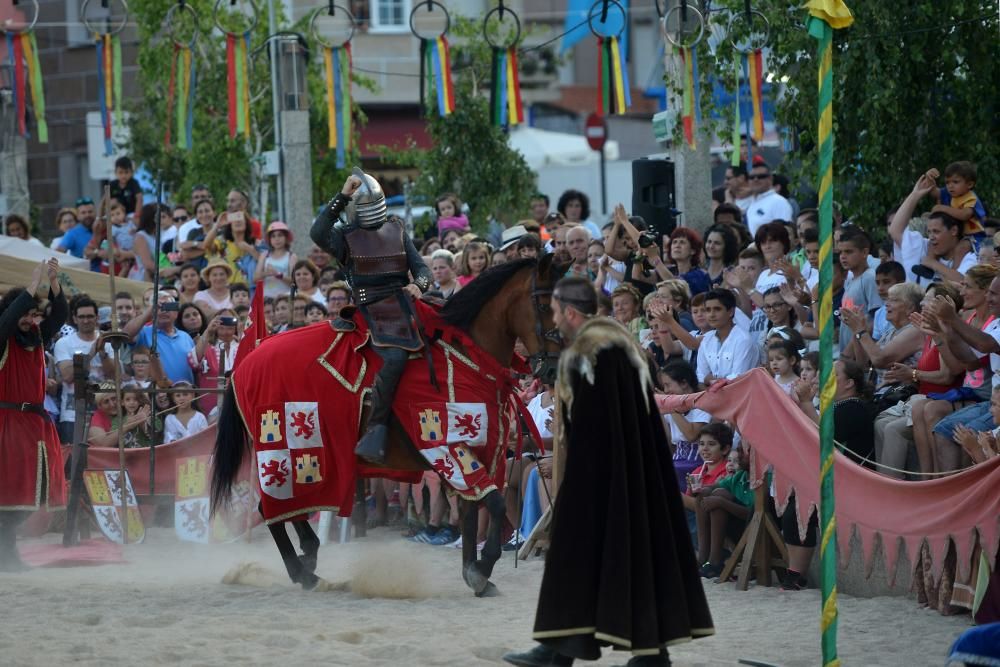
951 508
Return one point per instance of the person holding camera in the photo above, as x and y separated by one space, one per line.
172 344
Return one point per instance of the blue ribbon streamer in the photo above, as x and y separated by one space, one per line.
625 82
102 102
504 115
438 76
338 104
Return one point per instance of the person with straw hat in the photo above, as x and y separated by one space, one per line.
217 274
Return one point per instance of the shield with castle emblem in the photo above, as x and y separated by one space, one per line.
105 490
192 519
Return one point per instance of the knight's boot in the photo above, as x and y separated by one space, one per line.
371 446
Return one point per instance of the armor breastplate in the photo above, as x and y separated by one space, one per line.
378 252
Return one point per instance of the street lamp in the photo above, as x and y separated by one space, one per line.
292 59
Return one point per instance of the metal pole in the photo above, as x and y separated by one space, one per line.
81 373
116 346
156 315
272 28
604 184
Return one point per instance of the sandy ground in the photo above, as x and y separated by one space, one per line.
168 606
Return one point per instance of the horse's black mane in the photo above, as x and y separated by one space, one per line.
462 309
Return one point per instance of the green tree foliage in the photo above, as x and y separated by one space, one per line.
470 156
915 86
216 159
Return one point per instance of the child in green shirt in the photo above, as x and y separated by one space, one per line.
723 510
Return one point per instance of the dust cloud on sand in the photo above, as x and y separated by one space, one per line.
392 603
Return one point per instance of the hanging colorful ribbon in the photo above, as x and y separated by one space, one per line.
690 105
435 64
182 76
15 50
506 107
756 81
613 94
238 83
734 157
337 63
109 84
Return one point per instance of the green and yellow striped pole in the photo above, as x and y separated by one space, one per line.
825 15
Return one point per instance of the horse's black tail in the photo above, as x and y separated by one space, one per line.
232 444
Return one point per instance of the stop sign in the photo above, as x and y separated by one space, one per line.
596 131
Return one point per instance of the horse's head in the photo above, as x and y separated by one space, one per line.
536 328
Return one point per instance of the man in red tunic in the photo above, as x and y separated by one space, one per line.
31 466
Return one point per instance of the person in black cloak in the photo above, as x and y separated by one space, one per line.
621 570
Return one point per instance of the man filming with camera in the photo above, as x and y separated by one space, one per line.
631 242
172 344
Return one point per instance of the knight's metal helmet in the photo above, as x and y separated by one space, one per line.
367 207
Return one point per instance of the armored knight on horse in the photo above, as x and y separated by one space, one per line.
378 256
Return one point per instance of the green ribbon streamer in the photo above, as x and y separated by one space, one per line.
116 80
39 99
734 158
180 103
605 81
345 82
828 551
241 82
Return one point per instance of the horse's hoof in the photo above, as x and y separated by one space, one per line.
475 579
491 591
309 581
325 586
308 562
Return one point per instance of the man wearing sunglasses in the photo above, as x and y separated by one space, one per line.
766 204
77 238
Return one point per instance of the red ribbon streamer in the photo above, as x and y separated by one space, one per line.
446 73
170 95
513 64
19 84
231 81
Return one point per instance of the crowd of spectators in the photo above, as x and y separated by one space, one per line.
917 340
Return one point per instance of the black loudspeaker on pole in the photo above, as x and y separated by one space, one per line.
653 194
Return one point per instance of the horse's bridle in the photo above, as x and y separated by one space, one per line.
544 364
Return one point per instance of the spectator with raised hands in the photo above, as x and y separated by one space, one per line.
234 240
901 345
968 343
906 426
942 255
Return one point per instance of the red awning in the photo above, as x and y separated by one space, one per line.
397 129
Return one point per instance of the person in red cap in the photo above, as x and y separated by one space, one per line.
31 466
274 265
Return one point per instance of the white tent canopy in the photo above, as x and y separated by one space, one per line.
542 148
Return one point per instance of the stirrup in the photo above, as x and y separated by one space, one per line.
371 447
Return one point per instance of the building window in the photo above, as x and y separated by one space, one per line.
390 15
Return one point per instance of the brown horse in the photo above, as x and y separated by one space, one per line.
507 303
